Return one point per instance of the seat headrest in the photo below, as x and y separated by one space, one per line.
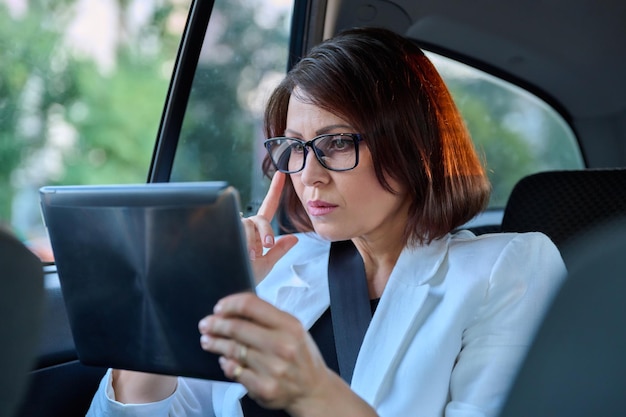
562 204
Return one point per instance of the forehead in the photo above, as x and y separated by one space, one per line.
306 118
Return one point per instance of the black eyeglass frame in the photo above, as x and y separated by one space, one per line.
356 137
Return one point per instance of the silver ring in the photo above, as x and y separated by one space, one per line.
237 372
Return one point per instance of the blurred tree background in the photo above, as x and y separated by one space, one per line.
83 84
82 87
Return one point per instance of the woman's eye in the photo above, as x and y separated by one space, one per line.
340 144
297 148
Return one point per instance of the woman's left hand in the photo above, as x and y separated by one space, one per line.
275 358
265 349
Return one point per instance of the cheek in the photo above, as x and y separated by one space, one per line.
298 187
369 196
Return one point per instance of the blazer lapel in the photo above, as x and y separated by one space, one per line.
405 304
307 297
299 285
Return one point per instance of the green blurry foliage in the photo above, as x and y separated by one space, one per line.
111 117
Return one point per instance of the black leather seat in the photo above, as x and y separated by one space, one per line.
577 364
562 204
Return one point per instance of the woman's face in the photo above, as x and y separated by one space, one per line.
348 204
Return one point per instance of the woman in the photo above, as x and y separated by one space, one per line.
369 147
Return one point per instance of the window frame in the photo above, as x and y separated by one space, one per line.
179 89
185 68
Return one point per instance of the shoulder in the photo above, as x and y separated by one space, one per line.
502 262
512 247
522 263
466 239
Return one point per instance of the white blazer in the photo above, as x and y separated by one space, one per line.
448 335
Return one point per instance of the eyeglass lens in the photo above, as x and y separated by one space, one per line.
335 152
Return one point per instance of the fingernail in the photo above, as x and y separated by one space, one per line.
204 339
252 255
269 240
217 308
203 325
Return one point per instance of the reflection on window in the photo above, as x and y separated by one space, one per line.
82 87
243 58
517 133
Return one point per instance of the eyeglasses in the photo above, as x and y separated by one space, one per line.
335 151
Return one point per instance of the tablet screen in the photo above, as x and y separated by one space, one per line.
140 265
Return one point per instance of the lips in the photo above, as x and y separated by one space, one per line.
320 208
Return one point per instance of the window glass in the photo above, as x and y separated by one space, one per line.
515 132
82 88
243 58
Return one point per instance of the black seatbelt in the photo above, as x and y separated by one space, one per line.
349 303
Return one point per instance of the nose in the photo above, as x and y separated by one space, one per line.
313 173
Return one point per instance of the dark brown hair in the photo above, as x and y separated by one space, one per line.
384 86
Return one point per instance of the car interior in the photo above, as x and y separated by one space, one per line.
22 283
556 153
554 381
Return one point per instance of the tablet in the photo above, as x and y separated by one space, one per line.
139 265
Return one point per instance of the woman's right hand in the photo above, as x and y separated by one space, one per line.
260 234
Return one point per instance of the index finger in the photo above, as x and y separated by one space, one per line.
272 199
251 307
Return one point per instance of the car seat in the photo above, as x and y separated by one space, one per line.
21 301
576 364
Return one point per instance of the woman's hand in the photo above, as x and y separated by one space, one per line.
260 235
265 349
269 352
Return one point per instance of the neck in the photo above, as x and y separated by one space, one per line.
380 258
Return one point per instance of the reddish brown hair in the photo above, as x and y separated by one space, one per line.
384 86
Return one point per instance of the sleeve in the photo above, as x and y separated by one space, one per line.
522 283
192 398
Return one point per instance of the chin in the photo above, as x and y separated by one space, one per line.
331 234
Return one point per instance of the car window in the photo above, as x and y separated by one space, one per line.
82 87
515 132
244 56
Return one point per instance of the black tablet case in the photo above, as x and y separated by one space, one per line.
140 265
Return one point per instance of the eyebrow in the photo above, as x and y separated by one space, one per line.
323 130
